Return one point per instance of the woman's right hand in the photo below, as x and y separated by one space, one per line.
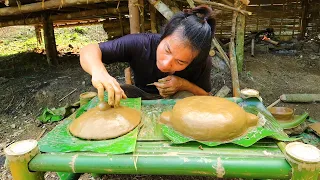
110 84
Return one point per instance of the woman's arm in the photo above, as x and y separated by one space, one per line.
194 89
91 62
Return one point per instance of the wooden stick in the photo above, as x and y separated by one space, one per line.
221 51
233 63
41 133
274 103
68 94
223 6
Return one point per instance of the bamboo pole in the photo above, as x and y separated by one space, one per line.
240 40
49 40
223 6
162 8
153 18
66 16
141 10
134 16
46 5
19 155
233 63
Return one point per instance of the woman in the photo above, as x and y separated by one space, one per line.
176 61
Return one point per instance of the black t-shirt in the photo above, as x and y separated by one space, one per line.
139 50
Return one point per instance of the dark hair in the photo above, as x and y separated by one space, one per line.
197 26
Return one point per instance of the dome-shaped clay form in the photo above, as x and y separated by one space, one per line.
208 118
99 124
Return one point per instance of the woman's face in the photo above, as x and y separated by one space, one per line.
174 54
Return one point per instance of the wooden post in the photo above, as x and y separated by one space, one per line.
141 9
49 40
153 18
134 16
19 155
303 22
240 40
233 63
37 30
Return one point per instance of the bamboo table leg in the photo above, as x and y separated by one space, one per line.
19 154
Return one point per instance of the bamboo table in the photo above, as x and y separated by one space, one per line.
156 156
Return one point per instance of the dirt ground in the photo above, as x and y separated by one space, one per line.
28 85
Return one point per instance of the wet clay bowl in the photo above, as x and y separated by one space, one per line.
282 113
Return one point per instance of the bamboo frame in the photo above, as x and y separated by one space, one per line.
67 16
46 5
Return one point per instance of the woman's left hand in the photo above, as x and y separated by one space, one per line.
169 85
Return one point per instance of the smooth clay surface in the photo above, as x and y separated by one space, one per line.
208 118
97 124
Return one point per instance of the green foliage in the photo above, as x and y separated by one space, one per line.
80 30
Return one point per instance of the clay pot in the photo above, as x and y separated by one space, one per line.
208 118
282 113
